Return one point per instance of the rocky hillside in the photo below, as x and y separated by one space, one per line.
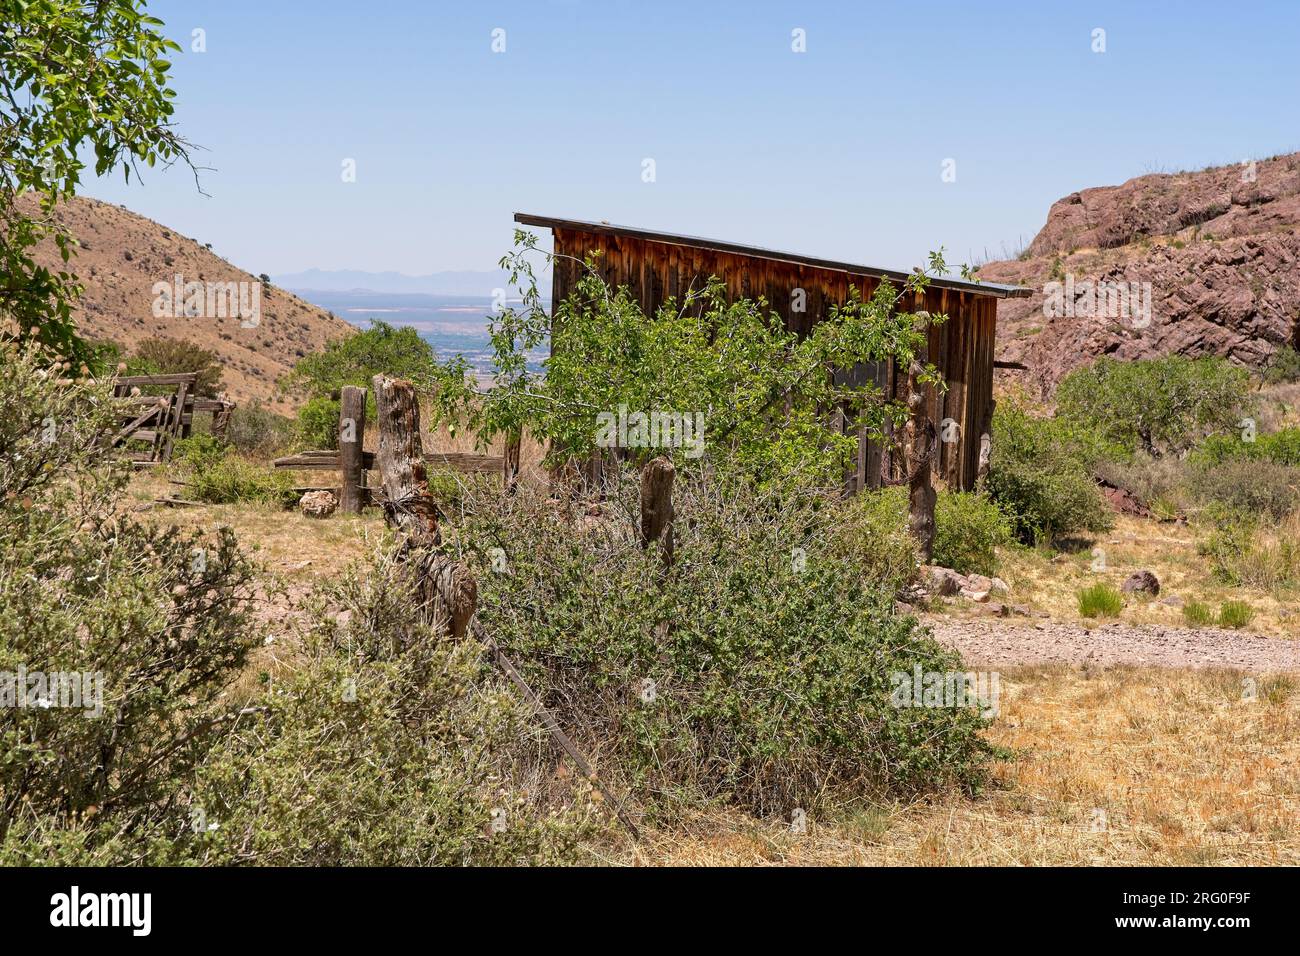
124 255
1219 248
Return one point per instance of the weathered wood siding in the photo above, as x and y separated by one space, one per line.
961 348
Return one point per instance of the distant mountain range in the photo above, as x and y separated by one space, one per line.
464 283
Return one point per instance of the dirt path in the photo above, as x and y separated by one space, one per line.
1006 643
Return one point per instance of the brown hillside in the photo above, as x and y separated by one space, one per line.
124 254
1220 248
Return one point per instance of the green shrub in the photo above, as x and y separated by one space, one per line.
167 356
1248 487
158 618
1039 476
1281 447
1197 614
771 647
1100 600
1284 367
968 527
1241 553
258 431
385 744
1235 614
233 479
356 359
1159 406
318 423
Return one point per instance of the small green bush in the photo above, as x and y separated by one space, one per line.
1281 447
1040 476
318 423
1197 614
234 479
167 356
256 430
1235 614
1100 600
968 527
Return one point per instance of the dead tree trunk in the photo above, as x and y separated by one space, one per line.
921 445
447 591
352 426
657 505
408 505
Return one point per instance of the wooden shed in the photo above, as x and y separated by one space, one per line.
658 266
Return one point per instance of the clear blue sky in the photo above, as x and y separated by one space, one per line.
834 152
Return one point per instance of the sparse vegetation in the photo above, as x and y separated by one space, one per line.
1235 614
1198 614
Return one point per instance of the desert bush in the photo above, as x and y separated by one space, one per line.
768 649
1100 600
1243 553
383 743
1249 487
1197 614
1159 406
1160 484
1283 368
968 529
1235 614
165 356
215 474
256 430
148 624
318 423
1040 478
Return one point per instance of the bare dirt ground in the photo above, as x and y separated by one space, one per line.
1005 644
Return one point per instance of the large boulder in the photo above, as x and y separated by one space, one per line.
1141 582
318 504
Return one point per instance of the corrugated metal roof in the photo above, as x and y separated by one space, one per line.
609 229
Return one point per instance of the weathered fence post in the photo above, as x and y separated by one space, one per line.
510 461
352 426
657 505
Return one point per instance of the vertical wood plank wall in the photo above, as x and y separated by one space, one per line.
961 348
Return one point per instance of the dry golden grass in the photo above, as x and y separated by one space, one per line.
1166 548
1184 771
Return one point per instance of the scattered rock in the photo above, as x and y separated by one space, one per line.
1173 601
1141 582
978 582
318 504
946 581
978 596
1000 585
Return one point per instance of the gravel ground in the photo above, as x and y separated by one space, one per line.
1006 644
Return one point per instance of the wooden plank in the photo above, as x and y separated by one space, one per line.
466 462
176 378
321 460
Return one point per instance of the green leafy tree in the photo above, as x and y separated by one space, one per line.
73 74
768 396
163 356
355 360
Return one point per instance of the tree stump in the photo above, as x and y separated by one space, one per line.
352 426
510 462
657 505
447 591
408 506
